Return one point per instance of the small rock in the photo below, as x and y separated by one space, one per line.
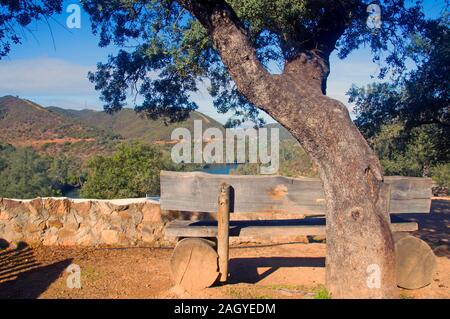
110 237
4 215
151 213
55 223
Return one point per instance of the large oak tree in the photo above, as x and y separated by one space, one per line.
169 47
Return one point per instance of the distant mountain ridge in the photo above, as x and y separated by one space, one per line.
130 125
23 122
81 133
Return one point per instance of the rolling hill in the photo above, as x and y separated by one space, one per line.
25 123
130 125
81 133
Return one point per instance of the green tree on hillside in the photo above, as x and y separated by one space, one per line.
132 171
23 174
412 152
441 175
294 162
65 171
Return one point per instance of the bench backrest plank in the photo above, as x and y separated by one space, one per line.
197 192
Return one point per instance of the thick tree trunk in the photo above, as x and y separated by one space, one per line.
360 257
360 260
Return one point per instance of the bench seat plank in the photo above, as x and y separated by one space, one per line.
197 192
266 228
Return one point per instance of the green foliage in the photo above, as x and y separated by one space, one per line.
132 171
26 174
322 293
176 46
420 97
441 174
23 174
64 171
407 122
294 162
410 152
17 14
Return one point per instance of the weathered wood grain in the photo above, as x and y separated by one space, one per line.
300 227
193 264
415 261
196 191
223 221
403 188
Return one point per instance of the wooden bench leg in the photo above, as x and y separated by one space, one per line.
223 223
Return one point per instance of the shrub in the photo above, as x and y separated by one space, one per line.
23 174
132 171
322 293
294 162
441 174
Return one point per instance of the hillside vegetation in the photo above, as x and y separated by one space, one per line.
24 122
127 124
47 151
26 174
132 171
82 133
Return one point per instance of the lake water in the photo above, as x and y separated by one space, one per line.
72 193
219 168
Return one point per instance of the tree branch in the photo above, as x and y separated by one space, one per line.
307 72
238 54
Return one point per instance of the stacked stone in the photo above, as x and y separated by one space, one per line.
62 221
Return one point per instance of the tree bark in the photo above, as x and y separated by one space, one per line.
359 240
360 245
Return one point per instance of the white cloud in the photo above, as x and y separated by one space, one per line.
44 76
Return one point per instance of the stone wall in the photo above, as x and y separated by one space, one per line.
62 221
121 222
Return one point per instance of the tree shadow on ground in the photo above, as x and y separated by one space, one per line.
23 277
434 228
245 270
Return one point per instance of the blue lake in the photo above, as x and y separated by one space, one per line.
219 168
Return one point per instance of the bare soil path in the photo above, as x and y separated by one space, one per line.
290 270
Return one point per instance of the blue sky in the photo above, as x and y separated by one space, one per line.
55 72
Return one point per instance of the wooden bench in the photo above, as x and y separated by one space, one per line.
204 244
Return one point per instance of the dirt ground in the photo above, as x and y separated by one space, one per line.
289 270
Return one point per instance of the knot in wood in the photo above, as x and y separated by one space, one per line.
356 213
